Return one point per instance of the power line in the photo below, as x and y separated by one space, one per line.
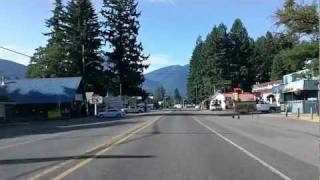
14 51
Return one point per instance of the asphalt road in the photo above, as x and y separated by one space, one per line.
159 147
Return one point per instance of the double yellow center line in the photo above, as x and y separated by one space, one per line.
101 150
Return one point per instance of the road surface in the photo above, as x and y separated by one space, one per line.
159 147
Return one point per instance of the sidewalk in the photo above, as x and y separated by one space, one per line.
291 123
303 117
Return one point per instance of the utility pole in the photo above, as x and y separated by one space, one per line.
83 62
84 77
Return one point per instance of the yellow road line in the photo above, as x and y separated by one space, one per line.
114 141
84 162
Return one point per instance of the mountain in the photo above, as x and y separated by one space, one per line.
12 70
170 77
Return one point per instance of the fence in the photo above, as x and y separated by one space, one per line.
302 106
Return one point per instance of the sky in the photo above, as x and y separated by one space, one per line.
169 28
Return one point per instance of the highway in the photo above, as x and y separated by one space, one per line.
169 146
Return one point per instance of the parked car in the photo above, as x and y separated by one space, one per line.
134 110
266 107
111 113
215 105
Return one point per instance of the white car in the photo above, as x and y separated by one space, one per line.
266 107
111 113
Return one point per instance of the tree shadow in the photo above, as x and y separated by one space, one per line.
51 127
65 158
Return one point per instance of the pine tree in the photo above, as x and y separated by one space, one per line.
265 48
159 94
57 24
126 58
218 48
241 61
83 44
196 72
177 96
48 61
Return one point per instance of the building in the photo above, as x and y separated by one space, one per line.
225 101
42 98
265 91
300 92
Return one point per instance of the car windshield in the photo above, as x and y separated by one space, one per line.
159 89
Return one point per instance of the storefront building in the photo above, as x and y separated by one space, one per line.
300 93
264 91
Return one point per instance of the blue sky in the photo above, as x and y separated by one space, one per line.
169 28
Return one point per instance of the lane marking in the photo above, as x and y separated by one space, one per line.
84 162
109 143
265 164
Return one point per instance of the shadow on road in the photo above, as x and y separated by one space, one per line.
65 158
36 128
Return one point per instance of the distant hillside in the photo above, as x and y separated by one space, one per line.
12 70
170 77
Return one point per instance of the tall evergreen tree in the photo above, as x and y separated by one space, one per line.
57 24
241 61
126 58
177 96
217 53
195 84
159 94
265 48
49 61
83 44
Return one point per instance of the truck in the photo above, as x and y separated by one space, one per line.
243 102
267 107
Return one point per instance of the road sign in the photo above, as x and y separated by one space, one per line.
96 100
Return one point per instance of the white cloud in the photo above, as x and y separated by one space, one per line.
7 55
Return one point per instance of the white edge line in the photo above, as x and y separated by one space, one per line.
271 168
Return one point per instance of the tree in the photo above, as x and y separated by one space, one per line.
217 53
48 60
299 19
265 49
126 58
177 96
241 61
196 72
57 24
278 69
83 44
159 94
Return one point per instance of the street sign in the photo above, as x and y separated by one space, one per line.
96 100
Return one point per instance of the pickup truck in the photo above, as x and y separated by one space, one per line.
267 107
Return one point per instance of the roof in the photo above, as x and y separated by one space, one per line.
38 91
247 97
228 94
265 86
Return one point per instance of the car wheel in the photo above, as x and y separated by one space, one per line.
272 110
